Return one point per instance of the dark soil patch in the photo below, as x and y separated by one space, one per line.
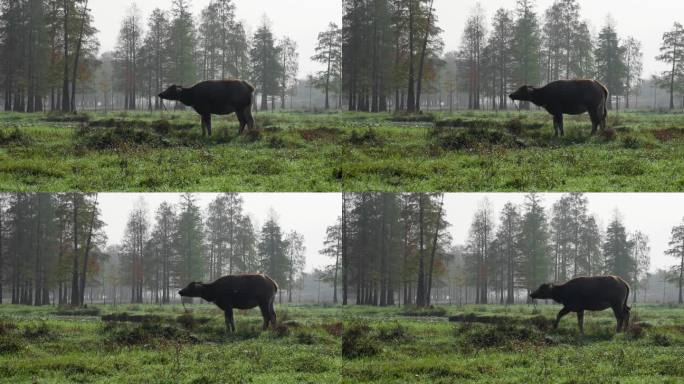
539 322
473 138
368 138
125 317
66 311
424 312
66 118
318 134
412 118
188 321
335 329
668 134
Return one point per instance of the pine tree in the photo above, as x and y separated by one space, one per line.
672 53
266 65
610 62
329 53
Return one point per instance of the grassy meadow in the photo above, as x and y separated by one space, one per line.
296 152
497 344
471 344
151 344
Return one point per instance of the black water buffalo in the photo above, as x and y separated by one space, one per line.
219 97
240 292
589 294
569 97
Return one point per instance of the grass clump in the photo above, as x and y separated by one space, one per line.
357 342
454 139
148 332
368 138
14 137
502 335
424 312
69 311
40 330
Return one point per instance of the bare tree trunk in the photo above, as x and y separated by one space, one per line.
65 84
76 59
74 270
84 270
421 66
434 250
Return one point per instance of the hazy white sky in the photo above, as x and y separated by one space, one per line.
653 214
646 21
309 214
301 20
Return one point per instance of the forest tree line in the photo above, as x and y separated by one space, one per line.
51 62
394 59
53 248
397 249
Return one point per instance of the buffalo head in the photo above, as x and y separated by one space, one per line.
524 93
192 290
544 292
172 93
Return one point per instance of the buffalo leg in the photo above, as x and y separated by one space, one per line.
249 118
603 112
230 322
619 316
580 321
206 122
273 313
558 123
266 315
243 120
626 313
562 313
595 121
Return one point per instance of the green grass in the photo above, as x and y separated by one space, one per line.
386 346
296 152
506 152
39 345
153 152
487 344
